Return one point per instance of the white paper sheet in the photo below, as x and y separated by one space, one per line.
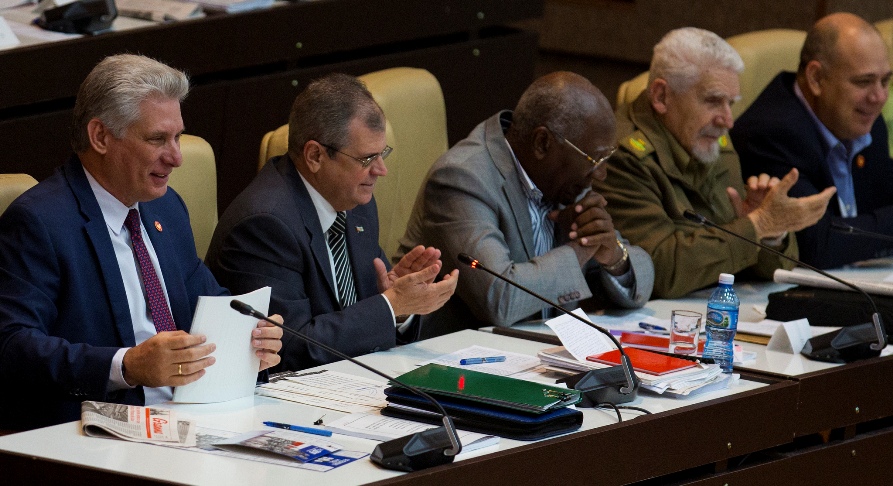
578 338
234 374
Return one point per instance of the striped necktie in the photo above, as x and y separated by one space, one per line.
161 313
347 292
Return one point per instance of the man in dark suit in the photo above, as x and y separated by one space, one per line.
825 121
98 272
307 226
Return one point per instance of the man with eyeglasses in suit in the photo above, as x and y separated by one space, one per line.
515 194
307 226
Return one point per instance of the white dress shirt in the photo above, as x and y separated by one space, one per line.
115 212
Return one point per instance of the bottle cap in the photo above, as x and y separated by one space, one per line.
726 278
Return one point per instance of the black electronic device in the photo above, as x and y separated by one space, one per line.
89 17
429 448
614 385
842 346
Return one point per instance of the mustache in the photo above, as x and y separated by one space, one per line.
712 132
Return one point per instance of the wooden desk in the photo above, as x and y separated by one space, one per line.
843 426
247 68
682 435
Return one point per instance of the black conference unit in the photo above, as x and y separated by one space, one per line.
247 68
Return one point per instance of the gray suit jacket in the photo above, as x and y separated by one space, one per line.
473 202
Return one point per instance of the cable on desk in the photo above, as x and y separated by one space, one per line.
617 409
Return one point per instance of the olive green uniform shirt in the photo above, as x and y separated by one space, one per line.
652 180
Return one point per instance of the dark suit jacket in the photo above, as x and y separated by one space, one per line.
271 235
776 134
63 308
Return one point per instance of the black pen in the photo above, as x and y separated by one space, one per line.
697 359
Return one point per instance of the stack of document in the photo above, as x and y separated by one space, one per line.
699 378
381 428
326 389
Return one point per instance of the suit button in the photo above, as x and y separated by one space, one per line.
377 349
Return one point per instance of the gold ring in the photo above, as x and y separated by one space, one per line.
179 369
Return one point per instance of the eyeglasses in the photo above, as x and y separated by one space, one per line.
595 162
365 161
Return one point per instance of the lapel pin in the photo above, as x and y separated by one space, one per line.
158 226
360 229
860 161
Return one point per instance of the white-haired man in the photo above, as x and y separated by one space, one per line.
674 154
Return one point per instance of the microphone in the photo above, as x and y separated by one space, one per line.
847 344
429 448
851 230
615 385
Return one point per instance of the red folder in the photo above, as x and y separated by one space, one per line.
644 361
656 342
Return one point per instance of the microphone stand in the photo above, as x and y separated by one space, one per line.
840 339
432 447
617 384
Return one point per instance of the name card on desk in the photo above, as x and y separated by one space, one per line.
7 36
790 337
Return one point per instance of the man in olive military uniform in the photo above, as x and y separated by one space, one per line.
675 154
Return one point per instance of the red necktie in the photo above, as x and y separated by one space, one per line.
161 314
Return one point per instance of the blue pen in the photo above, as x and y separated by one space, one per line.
298 428
489 359
653 328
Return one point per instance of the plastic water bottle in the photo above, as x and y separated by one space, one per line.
722 322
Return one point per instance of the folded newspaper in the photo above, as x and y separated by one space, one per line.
134 423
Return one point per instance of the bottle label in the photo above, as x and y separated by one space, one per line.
723 319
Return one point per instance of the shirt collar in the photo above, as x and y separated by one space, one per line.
113 211
855 146
530 190
324 209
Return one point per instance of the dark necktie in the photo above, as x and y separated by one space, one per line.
347 292
161 314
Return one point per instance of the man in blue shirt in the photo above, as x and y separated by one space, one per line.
825 121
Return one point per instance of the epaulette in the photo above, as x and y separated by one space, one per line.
637 144
725 144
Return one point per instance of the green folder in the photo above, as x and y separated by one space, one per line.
500 391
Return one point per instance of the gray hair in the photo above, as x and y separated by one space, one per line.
682 56
561 101
324 110
114 89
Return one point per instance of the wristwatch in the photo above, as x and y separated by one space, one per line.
623 259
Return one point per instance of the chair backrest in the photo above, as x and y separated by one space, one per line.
413 104
886 29
629 90
765 53
12 186
196 182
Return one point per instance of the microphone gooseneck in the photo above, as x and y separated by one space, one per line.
427 445
631 385
875 317
852 230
